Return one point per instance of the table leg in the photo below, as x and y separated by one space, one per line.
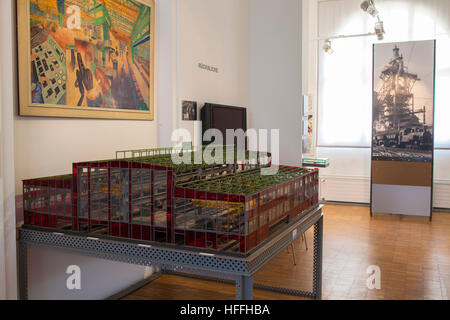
317 267
23 271
293 253
244 288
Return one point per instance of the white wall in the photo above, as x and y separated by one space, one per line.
166 71
8 274
256 44
45 147
215 33
275 72
100 279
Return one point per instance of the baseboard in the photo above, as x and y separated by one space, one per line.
348 189
356 204
343 203
135 287
344 189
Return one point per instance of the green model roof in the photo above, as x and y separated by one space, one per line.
163 158
245 183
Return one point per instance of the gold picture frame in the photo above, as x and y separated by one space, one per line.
96 58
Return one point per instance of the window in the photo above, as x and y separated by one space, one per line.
345 77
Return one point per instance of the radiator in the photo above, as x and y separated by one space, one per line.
357 190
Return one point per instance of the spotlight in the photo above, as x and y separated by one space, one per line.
327 47
379 30
369 7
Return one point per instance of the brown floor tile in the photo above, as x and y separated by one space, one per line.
412 253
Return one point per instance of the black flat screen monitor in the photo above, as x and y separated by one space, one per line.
221 117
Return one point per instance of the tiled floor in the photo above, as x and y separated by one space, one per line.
412 253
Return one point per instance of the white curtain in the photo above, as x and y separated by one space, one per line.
8 270
345 77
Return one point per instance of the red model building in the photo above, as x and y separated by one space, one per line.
231 208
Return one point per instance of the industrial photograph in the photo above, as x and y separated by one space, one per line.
403 112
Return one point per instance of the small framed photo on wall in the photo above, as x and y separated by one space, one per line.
189 111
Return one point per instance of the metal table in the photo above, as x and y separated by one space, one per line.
190 262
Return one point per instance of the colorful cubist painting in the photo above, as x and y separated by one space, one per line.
91 54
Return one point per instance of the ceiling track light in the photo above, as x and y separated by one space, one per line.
379 30
327 47
369 7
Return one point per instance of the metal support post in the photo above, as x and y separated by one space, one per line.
244 288
23 271
317 267
293 253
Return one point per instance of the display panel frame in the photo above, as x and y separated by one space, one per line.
405 169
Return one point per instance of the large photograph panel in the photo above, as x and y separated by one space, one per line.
403 101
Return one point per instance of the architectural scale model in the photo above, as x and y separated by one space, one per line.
142 195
